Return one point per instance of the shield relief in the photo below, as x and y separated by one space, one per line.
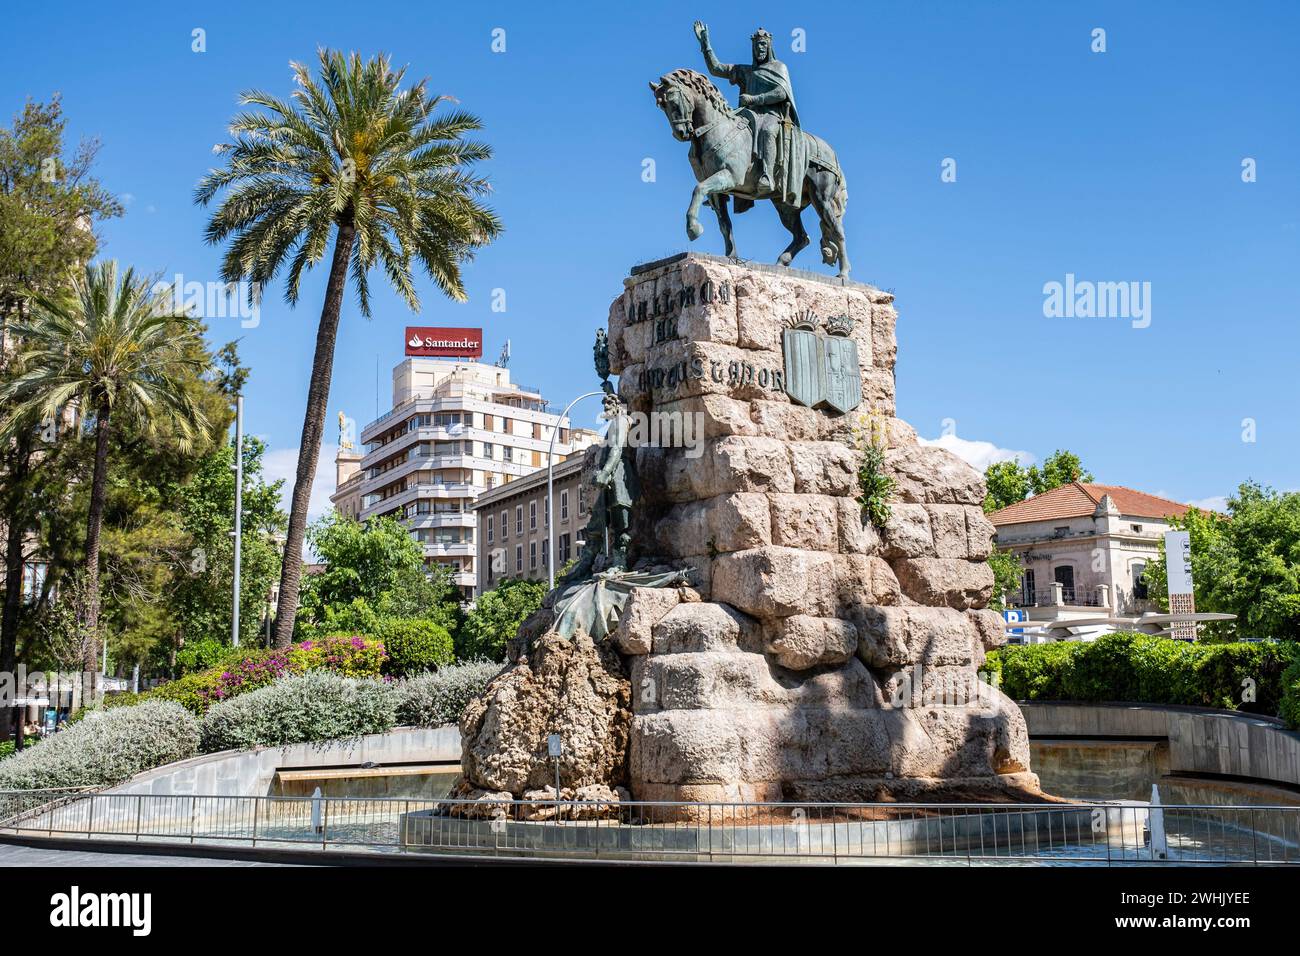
842 388
803 366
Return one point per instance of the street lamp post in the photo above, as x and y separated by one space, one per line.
239 515
550 488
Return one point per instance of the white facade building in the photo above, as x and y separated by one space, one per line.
456 429
1082 549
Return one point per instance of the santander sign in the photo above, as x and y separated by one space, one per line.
442 342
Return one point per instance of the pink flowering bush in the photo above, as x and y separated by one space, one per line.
346 654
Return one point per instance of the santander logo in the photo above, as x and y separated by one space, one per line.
447 342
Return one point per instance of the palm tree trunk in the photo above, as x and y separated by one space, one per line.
313 427
98 492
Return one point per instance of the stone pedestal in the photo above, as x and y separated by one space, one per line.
816 656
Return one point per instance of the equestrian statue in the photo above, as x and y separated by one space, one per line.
757 151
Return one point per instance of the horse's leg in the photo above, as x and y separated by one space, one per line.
791 219
825 190
719 201
721 181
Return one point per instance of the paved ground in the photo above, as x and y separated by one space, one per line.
38 856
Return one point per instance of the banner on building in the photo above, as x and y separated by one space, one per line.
436 342
1178 571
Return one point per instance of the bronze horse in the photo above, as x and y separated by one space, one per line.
722 156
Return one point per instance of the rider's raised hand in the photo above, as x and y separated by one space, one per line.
701 33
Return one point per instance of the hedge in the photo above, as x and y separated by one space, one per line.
437 699
1129 666
105 748
317 705
414 645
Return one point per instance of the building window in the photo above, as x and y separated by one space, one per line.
532 515
532 555
33 580
519 559
505 525
507 453
1140 591
1136 528
546 507
489 535
566 547
1028 586
545 552
582 499
564 505
1063 574
519 520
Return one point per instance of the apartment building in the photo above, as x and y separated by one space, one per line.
513 524
457 429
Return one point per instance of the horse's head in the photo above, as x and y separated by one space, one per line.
678 105
683 93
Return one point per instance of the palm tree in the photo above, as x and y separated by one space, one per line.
354 156
114 348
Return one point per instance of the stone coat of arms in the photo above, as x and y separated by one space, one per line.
821 368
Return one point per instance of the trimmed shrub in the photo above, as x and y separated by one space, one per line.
1036 675
415 646
105 748
1141 667
437 699
1289 707
317 705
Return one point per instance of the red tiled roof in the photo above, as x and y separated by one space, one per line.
1079 500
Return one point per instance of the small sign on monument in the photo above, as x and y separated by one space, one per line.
554 746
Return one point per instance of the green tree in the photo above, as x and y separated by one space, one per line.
1006 576
354 156
362 561
1060 468
49 205
1007 482
114 347
1246 563
496 617
200 589
373 572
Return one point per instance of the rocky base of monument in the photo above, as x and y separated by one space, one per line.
815 655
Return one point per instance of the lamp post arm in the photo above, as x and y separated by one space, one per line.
550 488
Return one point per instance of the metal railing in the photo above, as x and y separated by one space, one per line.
1076 597
966 834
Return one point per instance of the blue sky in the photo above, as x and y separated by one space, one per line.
1117 166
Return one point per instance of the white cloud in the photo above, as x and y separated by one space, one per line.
283 463
978 454
1212 503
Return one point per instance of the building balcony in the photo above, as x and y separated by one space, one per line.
448 519
459 549
1059 595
